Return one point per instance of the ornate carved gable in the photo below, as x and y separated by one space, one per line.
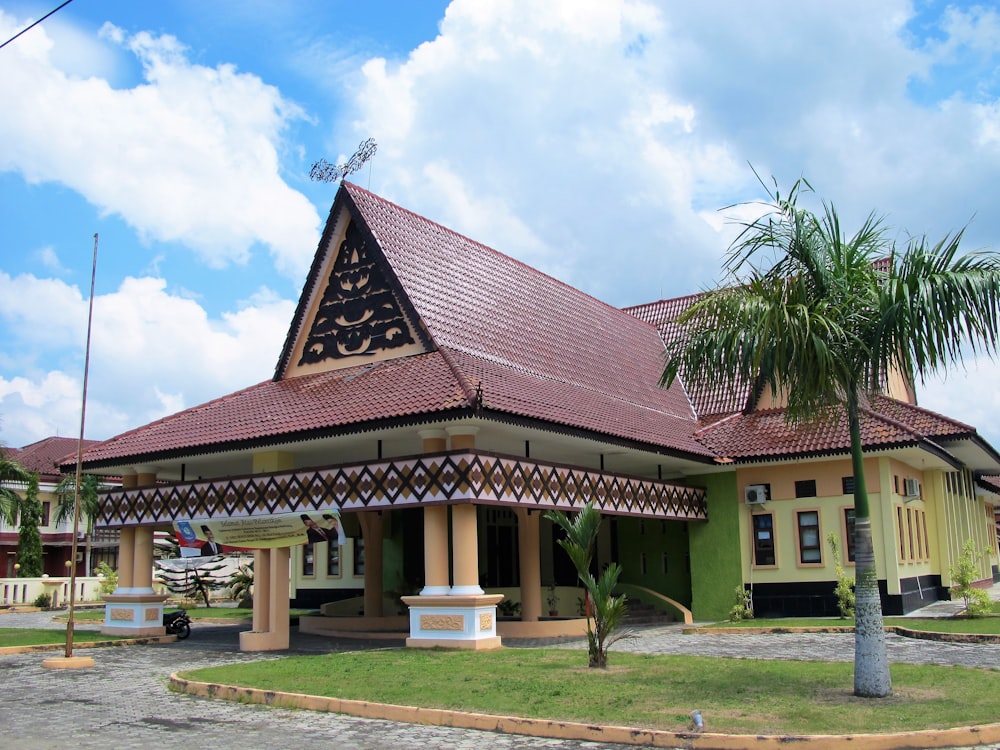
358 314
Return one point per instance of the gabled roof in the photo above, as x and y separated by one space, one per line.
708 403
45 456
734 432
885 423
498 338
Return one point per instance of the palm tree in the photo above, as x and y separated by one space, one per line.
607 610
10 500
826 320
90 487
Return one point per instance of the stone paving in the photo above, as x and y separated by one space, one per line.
123 702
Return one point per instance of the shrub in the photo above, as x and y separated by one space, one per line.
844 591
43 600
964 573
109 578
743 609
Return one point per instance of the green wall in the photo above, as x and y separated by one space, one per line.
716 568
655 539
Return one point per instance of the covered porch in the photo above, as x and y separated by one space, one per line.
446 486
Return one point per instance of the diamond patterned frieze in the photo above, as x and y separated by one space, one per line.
457 477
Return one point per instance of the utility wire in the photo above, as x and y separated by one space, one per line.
35 23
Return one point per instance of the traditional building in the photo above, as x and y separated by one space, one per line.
43 458
440 397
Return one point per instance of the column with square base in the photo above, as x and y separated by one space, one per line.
453 621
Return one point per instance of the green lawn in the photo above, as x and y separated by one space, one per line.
43 637
659 692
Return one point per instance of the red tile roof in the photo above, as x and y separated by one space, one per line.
708 403
302 406
508 342
885 423
45 456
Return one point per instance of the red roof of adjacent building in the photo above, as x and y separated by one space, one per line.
885 423
45 456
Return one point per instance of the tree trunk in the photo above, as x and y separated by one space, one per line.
871 659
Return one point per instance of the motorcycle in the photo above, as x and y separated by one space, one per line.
177 623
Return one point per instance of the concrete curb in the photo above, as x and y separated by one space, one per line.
41 648
924 635
933 738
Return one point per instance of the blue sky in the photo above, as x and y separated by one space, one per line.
597 141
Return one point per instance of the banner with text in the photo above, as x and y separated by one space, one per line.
218 536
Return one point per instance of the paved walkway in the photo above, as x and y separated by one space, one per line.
123 702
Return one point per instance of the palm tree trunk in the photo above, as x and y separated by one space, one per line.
871 660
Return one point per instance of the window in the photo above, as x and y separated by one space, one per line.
359 556
927 544
763 539
805 488
847 485
665 562
920 538
46 510
849 532
909 532
902 532
810 549
309 559
642 563
333 559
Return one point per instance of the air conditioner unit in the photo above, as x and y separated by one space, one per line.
911 487
755 494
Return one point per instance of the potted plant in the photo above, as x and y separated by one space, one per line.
553 601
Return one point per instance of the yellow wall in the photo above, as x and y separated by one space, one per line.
960 514
912 537
882 475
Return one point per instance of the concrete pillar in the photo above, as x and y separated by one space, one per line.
371 530
462 438
126 557
465 548
142 564
278 615
261 589
436 582
134 609
529 558
465 530
435 551
270 602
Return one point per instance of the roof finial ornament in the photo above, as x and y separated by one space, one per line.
324 171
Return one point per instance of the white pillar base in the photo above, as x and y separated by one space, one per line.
136 614
453 621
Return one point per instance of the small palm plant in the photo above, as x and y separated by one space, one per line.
241 586
606 611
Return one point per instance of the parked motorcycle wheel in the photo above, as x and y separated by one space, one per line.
182 631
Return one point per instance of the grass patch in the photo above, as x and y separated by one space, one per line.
659 692
978 625
45 637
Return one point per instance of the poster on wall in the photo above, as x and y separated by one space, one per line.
210 537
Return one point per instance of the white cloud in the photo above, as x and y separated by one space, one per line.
968 394
189 155
605 135
153 353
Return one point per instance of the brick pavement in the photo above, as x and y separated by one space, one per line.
123 702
